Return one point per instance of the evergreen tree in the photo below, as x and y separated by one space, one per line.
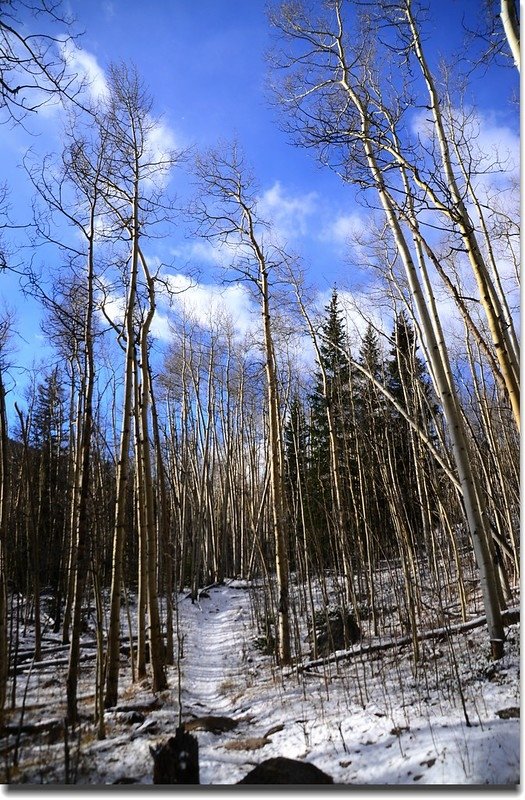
336 394
368 400
409 383
48 429
49 438
332 392
373 420
296 448
407 372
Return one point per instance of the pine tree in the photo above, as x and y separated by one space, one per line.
331 404
409 383
295 449
336 395
373 420
369 402
49 438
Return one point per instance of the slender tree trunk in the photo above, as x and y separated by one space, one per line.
163 531
113 642
503 344
276 480
4 649
442 377
81 530
141 528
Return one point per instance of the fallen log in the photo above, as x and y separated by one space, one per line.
31 728
211 724
41 666
510 616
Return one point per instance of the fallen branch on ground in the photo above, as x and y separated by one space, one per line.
510 616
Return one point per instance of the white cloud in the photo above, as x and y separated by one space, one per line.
112 306
205 252
160 142
108 9
87 68
498 141
344 229
208 303
160 150
290 215
491 148
160 327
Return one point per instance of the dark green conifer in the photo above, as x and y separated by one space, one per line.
332 393
409 383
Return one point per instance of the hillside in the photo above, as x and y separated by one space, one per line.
367 720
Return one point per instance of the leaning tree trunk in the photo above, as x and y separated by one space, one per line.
489 299
140 526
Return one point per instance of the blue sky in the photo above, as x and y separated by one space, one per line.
205 65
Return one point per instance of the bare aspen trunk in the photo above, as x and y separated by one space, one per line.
367 148
503 345
113 642
75 461
442 377
276 480
4 650
140 520
511 26
32 527
163 530
134 203
226 209
471 496
155 636
81 531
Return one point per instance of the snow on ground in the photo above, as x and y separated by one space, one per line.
365 721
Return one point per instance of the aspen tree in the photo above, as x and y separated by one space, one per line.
227 212
498 321
73 191
33 64
509 14
4 650
134 202
334 105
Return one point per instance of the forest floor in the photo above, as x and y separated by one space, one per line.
369 719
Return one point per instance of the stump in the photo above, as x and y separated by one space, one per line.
176 761
335 630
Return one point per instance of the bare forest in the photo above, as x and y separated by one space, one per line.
299 539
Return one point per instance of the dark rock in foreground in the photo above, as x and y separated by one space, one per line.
286 770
